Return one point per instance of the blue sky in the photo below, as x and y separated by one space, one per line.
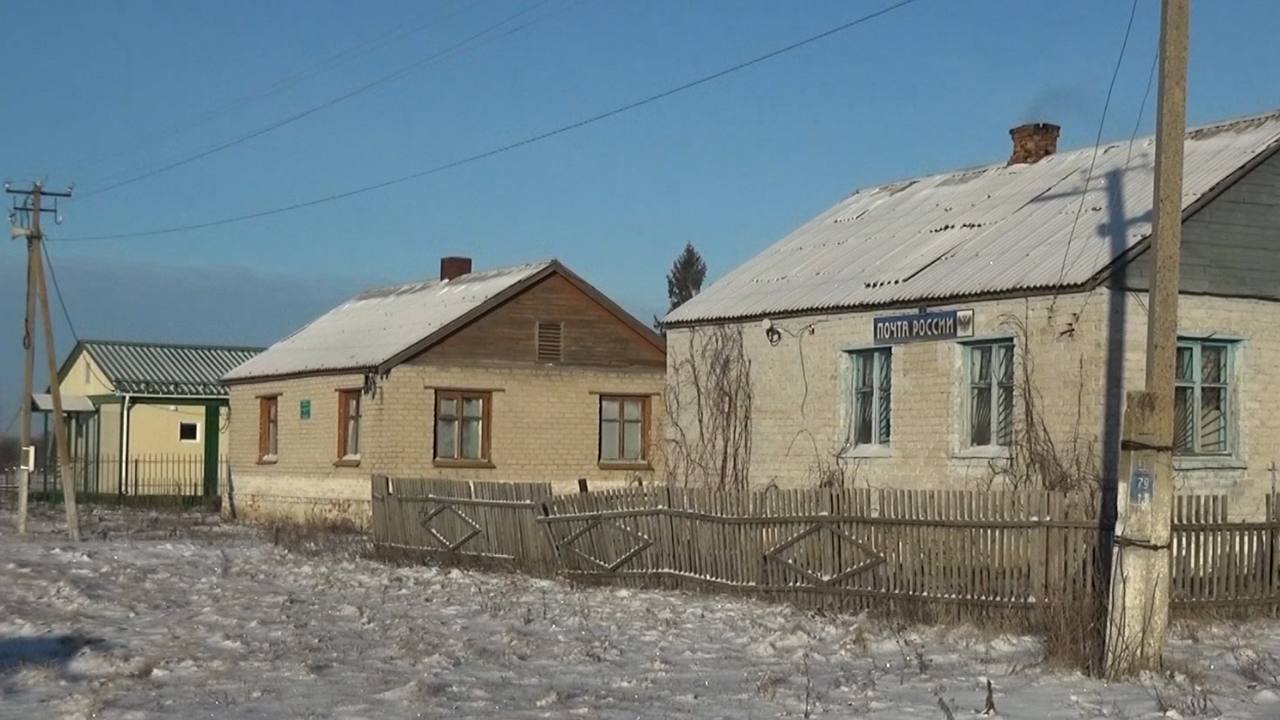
729 166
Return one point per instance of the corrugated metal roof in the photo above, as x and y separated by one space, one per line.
375 326
979 231
166 370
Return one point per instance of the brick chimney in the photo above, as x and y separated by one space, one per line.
1033 142
454 266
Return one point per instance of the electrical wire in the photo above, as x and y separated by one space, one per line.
1142 109
1133 138
332 61
13 420
1093 161
389 77
502 148
57 289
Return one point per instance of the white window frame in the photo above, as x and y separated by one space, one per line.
1197 385
189 422
966 390
878 356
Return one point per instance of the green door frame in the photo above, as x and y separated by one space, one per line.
212 429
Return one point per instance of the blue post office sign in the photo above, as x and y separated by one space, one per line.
941 325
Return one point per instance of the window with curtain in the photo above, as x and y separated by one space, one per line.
623 428
989 369
348 424
872 389
462 426
1202 397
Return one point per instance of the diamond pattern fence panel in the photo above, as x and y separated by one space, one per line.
462 522
846 549
939 554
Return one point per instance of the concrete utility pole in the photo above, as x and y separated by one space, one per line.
37 293
1139 611
28 369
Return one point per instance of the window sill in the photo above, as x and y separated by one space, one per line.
268 460
859 452
1208 462
622 465
348 461
446 463
982 452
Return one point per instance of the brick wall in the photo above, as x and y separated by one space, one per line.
544 428
798 416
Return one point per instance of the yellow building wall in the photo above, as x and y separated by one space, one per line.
86 378
156 454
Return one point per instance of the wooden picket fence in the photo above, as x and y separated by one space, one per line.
963 554
1221 563
850 549
486 522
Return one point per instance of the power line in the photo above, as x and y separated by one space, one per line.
503 148
395 75
285 83
57 289
1142 109
1093 161
1128 157
13 420
53 276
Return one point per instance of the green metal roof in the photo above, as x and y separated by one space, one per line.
138 368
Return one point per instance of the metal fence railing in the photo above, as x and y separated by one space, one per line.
138 479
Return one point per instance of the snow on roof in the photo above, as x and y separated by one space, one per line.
376 325
977 231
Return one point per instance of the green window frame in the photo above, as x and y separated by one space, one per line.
1203 385
870 423
989 378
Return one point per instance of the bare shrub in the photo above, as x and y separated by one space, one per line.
319 535
708 404
1037 460
1073 625
1180 695
1258 668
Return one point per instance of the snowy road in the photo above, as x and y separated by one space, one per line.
226 625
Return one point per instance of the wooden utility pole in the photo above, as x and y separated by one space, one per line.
1140 581
37 294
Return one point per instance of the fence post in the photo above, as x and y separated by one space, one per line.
1040 547
228 509
1273 538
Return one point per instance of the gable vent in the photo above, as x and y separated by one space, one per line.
550 341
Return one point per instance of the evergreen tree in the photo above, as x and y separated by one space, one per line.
686 276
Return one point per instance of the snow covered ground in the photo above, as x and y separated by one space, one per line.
155 618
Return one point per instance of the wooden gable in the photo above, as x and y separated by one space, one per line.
1229 247
552 315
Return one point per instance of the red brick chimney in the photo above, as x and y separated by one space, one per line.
454 266
1033 142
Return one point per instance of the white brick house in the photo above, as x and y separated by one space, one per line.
1034 293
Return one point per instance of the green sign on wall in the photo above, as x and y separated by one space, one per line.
304 409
